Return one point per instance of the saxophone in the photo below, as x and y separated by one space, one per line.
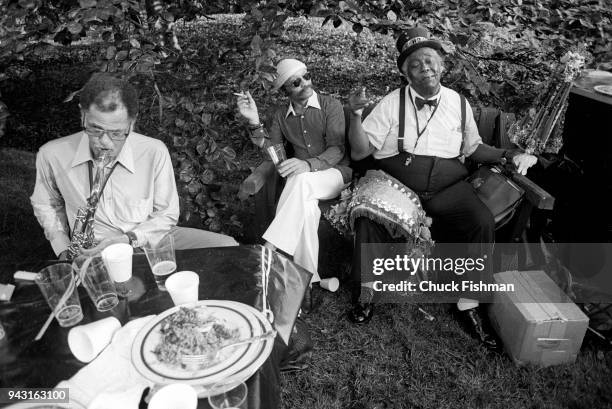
82 232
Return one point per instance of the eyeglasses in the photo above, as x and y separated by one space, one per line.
117 135
298 81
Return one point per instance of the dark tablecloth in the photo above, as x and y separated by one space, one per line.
228 273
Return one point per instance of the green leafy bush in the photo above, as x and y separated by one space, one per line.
500 53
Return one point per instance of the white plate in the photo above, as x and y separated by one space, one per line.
604 89
598 74
237 364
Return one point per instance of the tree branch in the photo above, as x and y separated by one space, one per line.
508 59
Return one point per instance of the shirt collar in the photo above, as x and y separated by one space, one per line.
313 101
125 157
416 94
83 154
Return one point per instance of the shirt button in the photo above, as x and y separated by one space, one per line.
302 117
304 131
308 145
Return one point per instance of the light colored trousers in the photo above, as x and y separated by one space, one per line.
189 238
294 228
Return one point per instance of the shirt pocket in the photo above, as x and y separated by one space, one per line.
455 139
445 143
132 210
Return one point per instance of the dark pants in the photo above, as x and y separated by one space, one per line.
458 215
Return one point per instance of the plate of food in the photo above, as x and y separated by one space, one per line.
603 89
201 328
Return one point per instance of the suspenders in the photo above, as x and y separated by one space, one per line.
402 121
462 124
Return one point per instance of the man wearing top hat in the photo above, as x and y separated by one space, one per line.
314 125
427 160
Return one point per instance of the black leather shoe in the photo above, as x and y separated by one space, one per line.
361 313
363 308
473 319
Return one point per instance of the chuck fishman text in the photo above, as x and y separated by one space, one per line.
430 286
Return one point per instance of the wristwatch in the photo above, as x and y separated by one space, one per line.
133 239
255 127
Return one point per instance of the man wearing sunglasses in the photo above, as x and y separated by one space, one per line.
139 201
314 125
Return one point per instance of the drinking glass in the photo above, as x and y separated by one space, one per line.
233 396
53 282
162 259
96 281
277 153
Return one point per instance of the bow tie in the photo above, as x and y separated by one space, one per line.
420 102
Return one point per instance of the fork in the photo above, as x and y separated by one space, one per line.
266 253
203 358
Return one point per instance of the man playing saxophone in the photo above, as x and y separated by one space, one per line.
133 200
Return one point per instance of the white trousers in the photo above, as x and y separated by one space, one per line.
294 228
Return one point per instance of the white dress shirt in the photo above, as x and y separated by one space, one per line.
140 194
442 136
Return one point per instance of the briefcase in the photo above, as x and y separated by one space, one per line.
500 194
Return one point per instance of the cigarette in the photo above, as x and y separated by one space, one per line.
242 94
428 316
24 275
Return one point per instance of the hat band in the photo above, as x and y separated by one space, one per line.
412 42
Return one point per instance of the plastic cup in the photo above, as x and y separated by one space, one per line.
183 287
232 396
87 341
277 153
53 282
175 396
330 284
162 259
97 281
118 260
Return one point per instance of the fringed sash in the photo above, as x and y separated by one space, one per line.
385 200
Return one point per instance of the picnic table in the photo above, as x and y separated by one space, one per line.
228 273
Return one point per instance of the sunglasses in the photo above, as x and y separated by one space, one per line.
298 81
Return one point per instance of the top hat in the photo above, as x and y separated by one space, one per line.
413 39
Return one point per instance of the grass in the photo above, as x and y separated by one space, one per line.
398 360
